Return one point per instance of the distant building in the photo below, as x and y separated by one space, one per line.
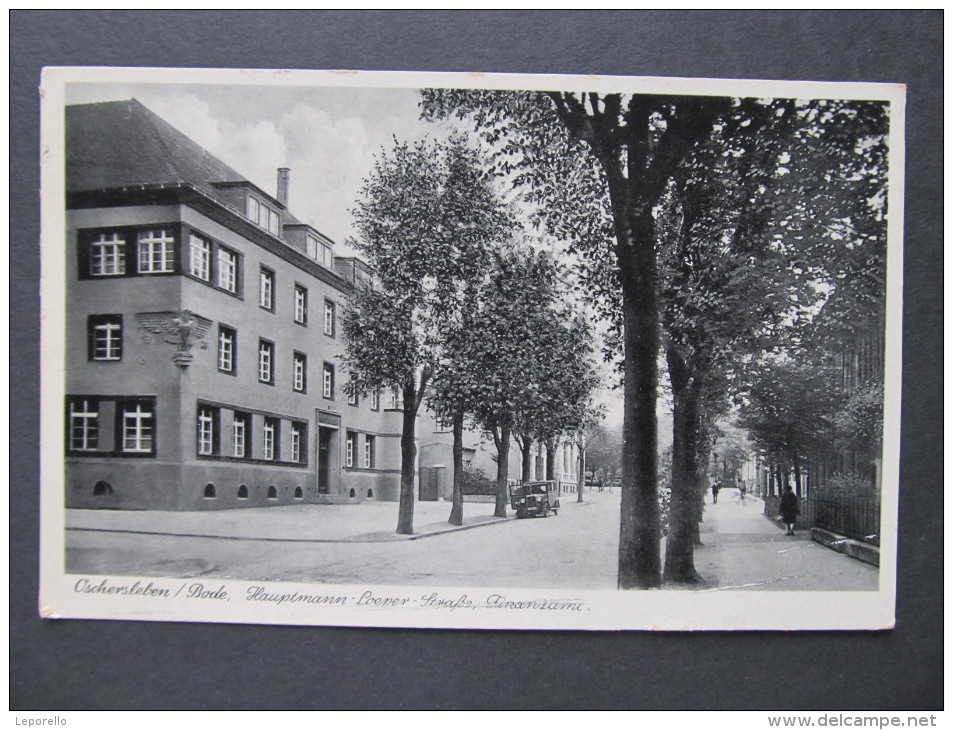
855 448
435 444
202 334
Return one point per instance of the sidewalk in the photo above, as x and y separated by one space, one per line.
742 549
367 522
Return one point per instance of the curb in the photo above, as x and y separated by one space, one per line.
856 549
373 537
394 537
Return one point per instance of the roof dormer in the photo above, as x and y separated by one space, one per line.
261 213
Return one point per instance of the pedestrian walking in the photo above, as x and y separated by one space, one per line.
715 488
742 490
789 509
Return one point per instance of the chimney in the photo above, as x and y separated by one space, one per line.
283 175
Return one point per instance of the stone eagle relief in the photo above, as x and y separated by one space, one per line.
181 329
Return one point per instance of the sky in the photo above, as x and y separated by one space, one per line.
327 136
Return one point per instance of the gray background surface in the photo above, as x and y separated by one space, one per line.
65 665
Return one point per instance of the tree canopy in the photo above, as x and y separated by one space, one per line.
427 217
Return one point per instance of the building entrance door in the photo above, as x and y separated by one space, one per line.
324 460
429 484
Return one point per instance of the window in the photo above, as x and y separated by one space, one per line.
270 441
395 398
312 248
253 209
209 261
107 255
375 400
350 447
326 256
266 289
261 215
443 424
274 221
83 425
266 362
298 440
242 492
104 332
239 435
207 432
136 426
300 375
328 381
227 270
352 397
301 304
156 251
226 349
368 452
130 425
272 492
200 257
329 322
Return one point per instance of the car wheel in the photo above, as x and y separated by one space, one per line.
546 511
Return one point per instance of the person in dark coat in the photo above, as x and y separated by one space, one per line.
789 509
715 488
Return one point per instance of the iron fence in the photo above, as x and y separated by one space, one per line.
855 517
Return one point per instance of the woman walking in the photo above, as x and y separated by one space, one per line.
789 509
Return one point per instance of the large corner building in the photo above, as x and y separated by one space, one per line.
202 334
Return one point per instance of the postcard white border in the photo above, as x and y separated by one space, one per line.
600 610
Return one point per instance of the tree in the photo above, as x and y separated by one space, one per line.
604 451
615 153
559 386
585 431
600 169
785 410
427 216
738 273
454 386
725 287
510 355
836 226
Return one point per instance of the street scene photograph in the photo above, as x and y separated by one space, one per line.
470 351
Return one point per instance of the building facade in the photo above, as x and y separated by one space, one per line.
202 334
435 448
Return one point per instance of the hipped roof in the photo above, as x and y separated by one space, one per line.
119 144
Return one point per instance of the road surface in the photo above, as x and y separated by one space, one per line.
578 548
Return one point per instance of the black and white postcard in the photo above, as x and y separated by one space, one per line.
470 350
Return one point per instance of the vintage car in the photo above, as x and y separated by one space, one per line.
534 499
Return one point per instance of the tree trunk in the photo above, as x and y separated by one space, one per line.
635 182
581 476
550 461
699 515
408 459
502 470
526 454
702 458
683 508
639 530
456 509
